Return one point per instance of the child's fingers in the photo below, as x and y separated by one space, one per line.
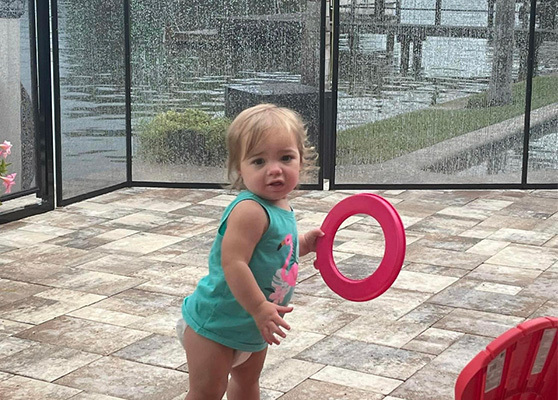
283 309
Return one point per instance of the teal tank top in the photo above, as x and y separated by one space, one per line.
213 312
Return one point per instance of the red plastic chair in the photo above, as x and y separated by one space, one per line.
521 364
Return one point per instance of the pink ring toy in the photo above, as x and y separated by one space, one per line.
394 254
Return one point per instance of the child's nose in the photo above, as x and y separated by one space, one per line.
274 168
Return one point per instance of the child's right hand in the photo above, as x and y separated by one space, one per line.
269 322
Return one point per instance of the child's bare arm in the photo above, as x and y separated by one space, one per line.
245 227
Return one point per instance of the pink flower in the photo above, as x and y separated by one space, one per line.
5 148
8 181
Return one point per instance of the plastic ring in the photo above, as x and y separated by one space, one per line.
394 253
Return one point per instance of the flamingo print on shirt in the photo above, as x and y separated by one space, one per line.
284 280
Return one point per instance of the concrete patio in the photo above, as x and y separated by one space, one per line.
90 293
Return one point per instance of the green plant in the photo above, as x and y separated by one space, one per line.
189 137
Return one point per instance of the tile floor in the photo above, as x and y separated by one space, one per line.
89 295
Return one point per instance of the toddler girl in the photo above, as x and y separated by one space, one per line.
237 310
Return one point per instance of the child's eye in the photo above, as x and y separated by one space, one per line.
287 158
258 161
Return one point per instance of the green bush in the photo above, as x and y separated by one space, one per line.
189 137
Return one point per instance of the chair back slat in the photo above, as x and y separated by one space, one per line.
520 364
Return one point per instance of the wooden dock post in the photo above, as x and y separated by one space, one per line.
417 54
310 47
500 85
405 49
438 16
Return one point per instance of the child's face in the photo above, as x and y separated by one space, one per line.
272 168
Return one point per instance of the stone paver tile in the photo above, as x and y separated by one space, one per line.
35 310
123 265
358 266
523 256
316 319
463 294
45 229
52 254
495 222
115 234
498 288
95 209
19 238
90 281
426 255
521 236
384 332
478 233
115 377
391 305
222 200
433 341
503 274
458 355
550 308
315 390
96 396
4 376
428 384
98 314
545 285
488 204
478 322
29 271
12 291
154 204
46 362
81 334
429 283
552 242
63 219
158 350
73 297
178 283
11 345
296 341
288 374
488 247
436 270
141 303
445 242
141 243
8 327
443 225
357 380
466 212
426 314
366 357
142 220
22 388
163 323
184 229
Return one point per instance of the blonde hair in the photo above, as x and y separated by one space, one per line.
253 125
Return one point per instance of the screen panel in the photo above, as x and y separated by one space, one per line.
18 104
92 95
543 138
422 101
197 64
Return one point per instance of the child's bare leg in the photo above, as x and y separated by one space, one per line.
209 364
245 379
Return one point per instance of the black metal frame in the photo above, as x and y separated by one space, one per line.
526 129
39 32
